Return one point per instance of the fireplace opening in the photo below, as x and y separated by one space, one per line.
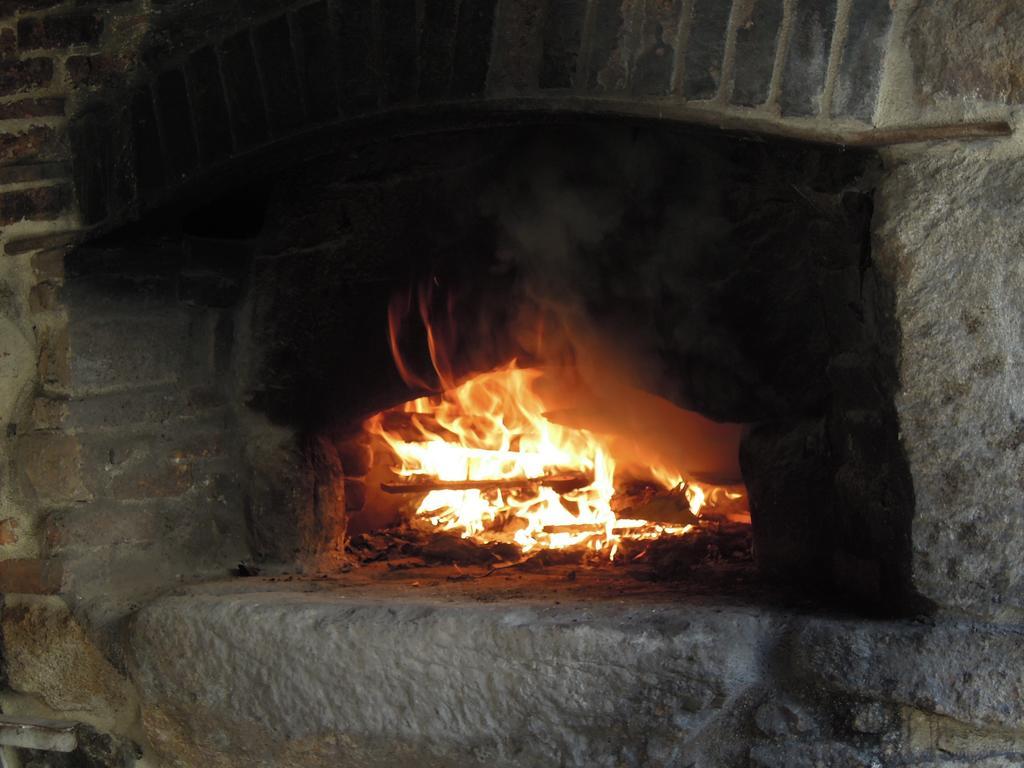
604 349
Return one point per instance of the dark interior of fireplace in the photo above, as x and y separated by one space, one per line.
724 278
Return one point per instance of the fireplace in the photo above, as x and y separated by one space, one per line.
513 383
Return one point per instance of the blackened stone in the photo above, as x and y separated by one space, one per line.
705 49
242 86
398 20
756 42
472 47
23 172
24 75
654 67
280 82
90 149
563 30
149 161
58 31
316 61
180 153
860 70
211 112
788 476
803 77
437 47
604 41
357 47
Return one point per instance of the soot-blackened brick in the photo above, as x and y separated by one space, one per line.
39 142
149 156
437 47
472 47
653 68
209 106
605 39
400 36
242 86
803 78
280 79
316 58
563 31
59 31
180 153
860 70
357 52
90 146
756 41
705 49
18 76
34 204
32 108
96 70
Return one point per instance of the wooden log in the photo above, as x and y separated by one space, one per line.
423 484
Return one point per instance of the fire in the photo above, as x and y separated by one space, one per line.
530 456
495 427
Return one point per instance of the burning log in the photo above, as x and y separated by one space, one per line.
559 483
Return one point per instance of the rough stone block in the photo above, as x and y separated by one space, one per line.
315 54
242 87
860 68
35 204
947 234
11 7
24 75
180 153
810 44
472 53
563 31
967 49
59 31
48 655
705 49
757 37
272 40
110 356
49 466
213 127
30 576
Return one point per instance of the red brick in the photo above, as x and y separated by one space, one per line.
24 75
29 172
43 297
48 264
95 70
16 110
37 143
31 576
58 31
48 413
8 531
53 365
35 204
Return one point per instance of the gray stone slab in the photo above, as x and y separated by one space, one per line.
810 44
756 41
860 69
415 672
949 236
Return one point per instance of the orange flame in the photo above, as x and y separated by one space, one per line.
498 426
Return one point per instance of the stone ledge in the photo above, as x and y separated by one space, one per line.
332 673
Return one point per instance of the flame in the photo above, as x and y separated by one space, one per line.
495 426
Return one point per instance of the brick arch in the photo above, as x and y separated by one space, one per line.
299 72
